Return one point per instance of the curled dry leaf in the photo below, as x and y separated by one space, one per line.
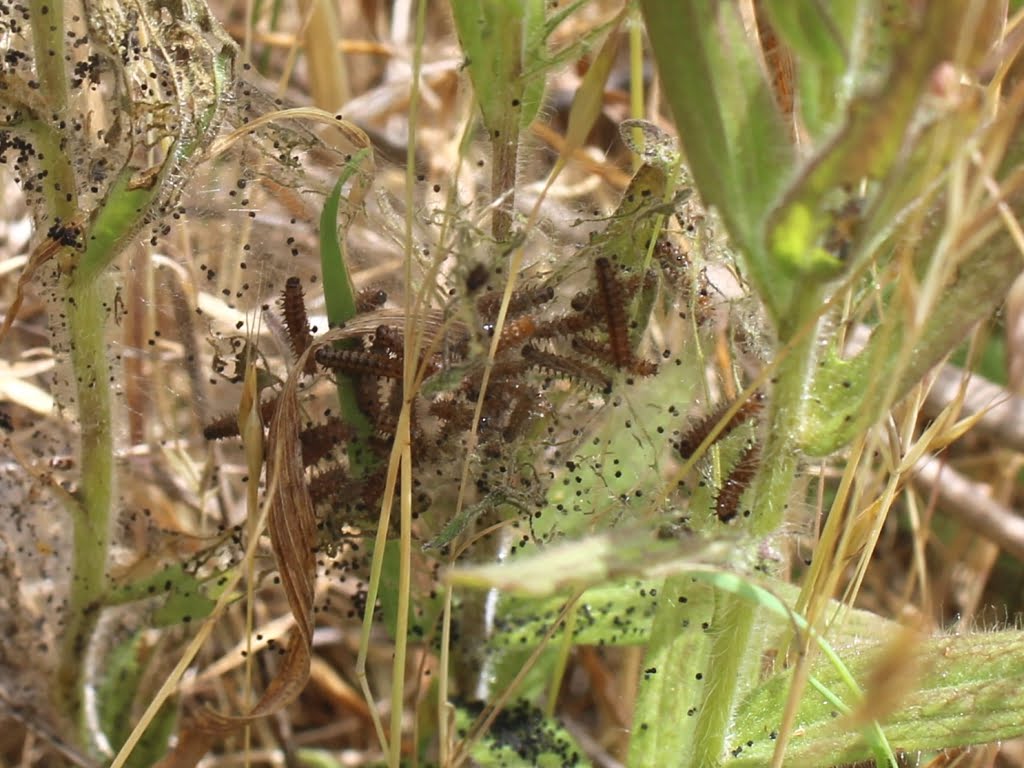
292 528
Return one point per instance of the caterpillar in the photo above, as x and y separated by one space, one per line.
368 398
520 409
388 339
593 349
736 482
369 299
566 325
359 361
522 300
296 321
568 368
477 277
328 484
691 441
516 332
318 441
613 300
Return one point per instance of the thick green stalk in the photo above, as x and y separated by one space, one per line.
85 319
48 46
771 493
789 391
89 581
727 653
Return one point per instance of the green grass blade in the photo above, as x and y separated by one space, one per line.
339 295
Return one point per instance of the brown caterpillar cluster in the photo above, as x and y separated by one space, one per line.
591 344
743 470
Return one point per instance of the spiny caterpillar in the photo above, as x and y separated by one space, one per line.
568 368
293 312
359 361
613 302
737 481
690 442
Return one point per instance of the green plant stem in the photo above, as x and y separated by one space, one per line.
771 491
48 45
85 320
774 481
89 579
505 151
728 648
59 195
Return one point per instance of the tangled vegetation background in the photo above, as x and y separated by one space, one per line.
511 383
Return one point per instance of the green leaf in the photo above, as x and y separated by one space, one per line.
521 736
676 669
426 608
618 613
500 39
119 696
340 300
736 145
701 596
867 146
820 36
188 597
594 560
970 693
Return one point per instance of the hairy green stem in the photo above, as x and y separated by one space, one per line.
774 482
59 196
48 45
728 649
85 319
773 486
89 579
